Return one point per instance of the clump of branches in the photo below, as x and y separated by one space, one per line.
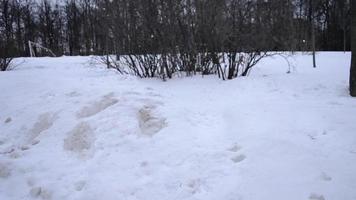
226 66
6 48
240 63
168 38
152 65
143 66
5 63
112 63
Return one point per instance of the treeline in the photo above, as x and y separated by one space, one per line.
83 27
160 38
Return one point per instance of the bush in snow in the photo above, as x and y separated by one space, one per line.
5 52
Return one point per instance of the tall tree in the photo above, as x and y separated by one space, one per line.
312 27
7 43
353 49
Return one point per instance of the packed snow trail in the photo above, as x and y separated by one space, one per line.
70 129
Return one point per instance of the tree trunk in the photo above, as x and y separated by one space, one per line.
312 31
313 41
344 32
353 50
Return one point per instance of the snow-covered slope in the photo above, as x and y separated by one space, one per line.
71 130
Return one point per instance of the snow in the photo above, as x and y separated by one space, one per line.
70 129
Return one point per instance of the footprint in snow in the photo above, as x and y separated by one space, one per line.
132 93
153 94
314 196
238 158
316 135
80 139
44 122
194 185
149 88
7 120
150 122
5 170
325 177
96 107
48 95
78 186
73 94
41 192
335 103
234 148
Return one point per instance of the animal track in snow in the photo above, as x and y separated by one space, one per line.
96 107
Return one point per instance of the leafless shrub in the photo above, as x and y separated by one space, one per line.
5 63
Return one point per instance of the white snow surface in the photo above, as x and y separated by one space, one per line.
73 130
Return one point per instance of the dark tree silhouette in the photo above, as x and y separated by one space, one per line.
353 47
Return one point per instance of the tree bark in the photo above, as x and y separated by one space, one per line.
312 30
353 50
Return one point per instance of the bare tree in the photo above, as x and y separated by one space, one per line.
353 47
7 43
312 27
5 57
163 38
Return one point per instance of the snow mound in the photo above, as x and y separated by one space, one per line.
70 130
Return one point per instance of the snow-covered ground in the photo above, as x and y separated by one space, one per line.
71 130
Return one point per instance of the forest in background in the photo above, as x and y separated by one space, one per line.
86 27
158 38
